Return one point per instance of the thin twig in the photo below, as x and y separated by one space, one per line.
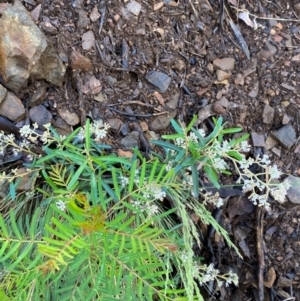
131 102
136 115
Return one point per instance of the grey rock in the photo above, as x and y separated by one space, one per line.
271 48
49 67
12 107
62 127
131 140
268 114
286 136
38 96
77 3
114 124
40 115
284 282
27 180
161 122
88 40
24 50
134 7
294 191
3 93
173 102
224 64
83 19
240 233
159 80
70 118
257 140
49 28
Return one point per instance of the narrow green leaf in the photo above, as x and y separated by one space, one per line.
77 175
231 131
212 176
132 176
166 145
153 172
116 184
235 155
191 123
87 135
195 178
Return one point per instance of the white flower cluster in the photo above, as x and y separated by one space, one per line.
252 182
32 136
29 135
210 274
154 191
98 130
191 137
150 208
205 273
215 199
61 205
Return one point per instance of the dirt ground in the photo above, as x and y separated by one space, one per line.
185 40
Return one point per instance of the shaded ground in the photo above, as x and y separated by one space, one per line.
183 39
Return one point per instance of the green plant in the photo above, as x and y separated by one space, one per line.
100 227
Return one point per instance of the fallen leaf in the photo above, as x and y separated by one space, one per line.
245 17
160 31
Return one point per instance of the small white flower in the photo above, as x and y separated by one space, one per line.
193 137
61 205
219 202
15 152
184 257
246 163
219 163
124 181
202 133
180 142
100 134
136 204
265 159
80 135
280 192
153 209
25 131
47 126
232 278
169 165
225 146
274 172
245 147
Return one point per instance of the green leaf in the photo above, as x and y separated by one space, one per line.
235 155
75 177
212 175
116 184
191 123
87 135
195 179
177 127
231 131
166 145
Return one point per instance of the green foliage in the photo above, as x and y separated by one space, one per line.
101 228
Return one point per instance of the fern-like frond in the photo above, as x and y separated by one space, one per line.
60 176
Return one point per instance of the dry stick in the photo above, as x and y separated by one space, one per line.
102 10
259 226
137 115
259 215
131 102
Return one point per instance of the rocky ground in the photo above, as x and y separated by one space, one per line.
137 64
